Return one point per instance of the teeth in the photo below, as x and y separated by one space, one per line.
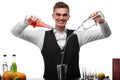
61 22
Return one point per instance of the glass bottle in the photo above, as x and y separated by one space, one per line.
36 23
5 65
14 65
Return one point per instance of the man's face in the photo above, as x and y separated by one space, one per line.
61 16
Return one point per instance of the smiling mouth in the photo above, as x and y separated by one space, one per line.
61 22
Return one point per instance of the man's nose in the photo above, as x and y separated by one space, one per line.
61 17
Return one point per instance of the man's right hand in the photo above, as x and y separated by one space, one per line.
31 19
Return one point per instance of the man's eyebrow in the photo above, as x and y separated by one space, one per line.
62 14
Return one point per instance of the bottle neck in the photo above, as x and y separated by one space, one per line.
4 59
14 58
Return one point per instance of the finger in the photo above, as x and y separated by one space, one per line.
91 15
101 21
34 18
27 17
38 20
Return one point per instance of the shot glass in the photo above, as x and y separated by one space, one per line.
62 71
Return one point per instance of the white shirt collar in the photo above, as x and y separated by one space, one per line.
55 30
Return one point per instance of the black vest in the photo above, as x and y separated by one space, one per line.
51 53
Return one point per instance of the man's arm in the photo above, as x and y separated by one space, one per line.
105 29
34 36
92 35
19 28
86 36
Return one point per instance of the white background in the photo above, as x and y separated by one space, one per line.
95 56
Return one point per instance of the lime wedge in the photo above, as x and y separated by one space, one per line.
16 78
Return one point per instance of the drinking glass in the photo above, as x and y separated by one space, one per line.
84 75
62 71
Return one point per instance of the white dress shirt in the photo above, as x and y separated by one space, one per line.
60 37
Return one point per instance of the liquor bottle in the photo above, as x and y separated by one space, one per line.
14 65
5 65
40 24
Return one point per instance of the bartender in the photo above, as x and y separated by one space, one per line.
52 43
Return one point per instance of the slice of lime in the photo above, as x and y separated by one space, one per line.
16 78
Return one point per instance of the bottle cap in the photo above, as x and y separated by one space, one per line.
4 55
14 55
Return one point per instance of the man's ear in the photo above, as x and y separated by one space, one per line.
53 15
68 17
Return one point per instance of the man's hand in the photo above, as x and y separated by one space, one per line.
31 19
35 21
98 17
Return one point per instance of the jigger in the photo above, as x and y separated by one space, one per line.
62 71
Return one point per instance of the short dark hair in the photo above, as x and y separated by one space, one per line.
60 5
